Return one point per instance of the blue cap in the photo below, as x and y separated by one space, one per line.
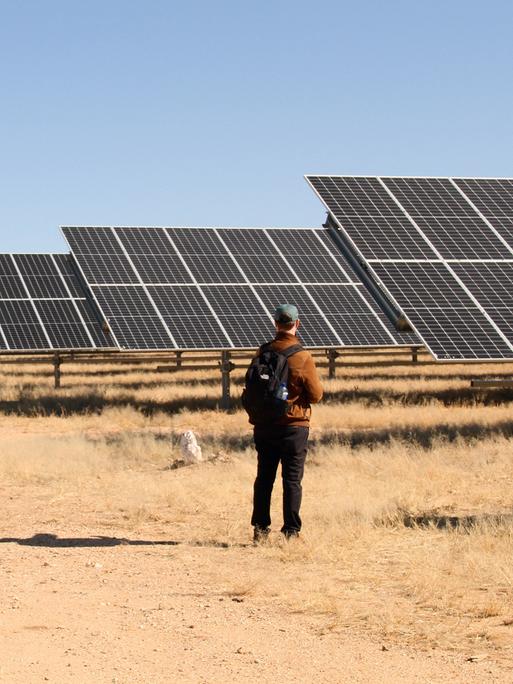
286 313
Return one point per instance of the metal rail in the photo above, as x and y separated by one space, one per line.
177 361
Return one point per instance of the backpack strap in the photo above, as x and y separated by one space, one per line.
289 351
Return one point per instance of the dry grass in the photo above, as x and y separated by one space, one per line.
357 565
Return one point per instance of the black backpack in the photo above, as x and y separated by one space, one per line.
266 379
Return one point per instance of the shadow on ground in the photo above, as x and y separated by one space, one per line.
424 437
92 402
462 522
53 541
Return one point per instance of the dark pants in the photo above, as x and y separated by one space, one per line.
287 444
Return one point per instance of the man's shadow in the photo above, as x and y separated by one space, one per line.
53 541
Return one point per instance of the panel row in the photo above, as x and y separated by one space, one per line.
160 256
201 288
238 316
434 219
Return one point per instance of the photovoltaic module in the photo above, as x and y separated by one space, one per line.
441 250
44 307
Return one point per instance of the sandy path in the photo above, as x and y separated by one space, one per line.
100 611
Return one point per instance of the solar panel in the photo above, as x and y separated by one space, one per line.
447 219
380 230
310 259
158 269
216 288
348 312
11 285
21 327
427 196
491 196
462 238
315 331
44 307
247 323
491 284
188 317
132 317
493 199
435 246
41 277
62 324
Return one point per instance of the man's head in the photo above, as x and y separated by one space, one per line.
286 318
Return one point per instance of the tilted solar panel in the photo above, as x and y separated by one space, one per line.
491 284
44 307
493 199
216 288
190 320
431 244
491 196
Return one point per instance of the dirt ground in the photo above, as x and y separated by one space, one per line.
117 569
86 602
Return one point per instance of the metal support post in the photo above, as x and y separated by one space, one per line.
57 370
332 361
414 354
226 367
178 359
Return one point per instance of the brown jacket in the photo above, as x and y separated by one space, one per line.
304 385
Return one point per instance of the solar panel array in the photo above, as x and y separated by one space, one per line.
43 306
216 288
442 250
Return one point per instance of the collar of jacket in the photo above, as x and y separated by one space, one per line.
284 335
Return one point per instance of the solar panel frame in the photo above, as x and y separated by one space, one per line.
460 207
398 338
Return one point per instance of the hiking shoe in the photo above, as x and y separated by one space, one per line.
260 534
290 534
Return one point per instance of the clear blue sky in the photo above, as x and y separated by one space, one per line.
209 113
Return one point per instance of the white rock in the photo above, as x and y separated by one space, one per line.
191 450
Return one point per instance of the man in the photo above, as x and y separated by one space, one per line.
286 439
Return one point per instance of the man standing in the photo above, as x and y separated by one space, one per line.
286 439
